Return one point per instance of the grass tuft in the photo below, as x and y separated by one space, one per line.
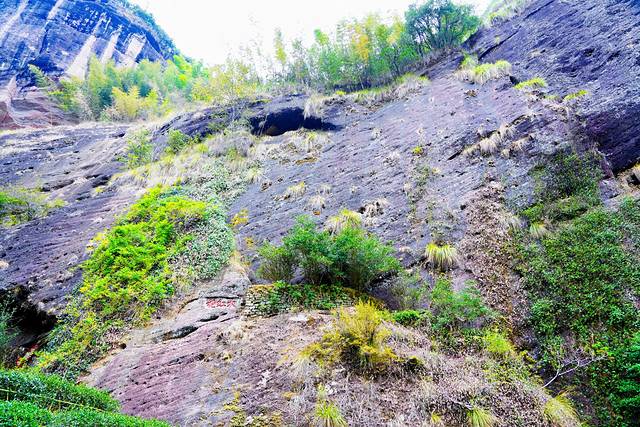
479 417
534 83
441 257
559 411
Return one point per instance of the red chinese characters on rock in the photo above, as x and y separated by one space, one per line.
221 303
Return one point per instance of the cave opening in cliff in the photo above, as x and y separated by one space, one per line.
286 120
27 323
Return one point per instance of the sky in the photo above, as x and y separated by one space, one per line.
210 30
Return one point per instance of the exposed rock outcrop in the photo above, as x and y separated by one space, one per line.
576 45
59 36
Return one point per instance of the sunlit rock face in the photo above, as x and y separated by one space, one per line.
60 36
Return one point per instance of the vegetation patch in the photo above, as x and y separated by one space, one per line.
351 258
482 73
358 338
35 399
18 205
130 273
269 300
534 83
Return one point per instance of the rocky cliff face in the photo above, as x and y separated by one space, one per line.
60 36
576 45
401 163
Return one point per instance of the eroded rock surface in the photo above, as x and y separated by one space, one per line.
71 164
580 45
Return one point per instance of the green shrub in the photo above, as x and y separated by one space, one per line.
410 317
453 310
85 418
581 281
51 391
178 141
351 257
278 263
25 414
139 149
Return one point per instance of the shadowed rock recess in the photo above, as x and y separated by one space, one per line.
413 167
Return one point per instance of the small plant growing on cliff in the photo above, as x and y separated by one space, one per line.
480 417
358 338
559 411
575 95
327 414
317 203
139 149
481 74
452 310
345 219
534 83
177 141
441 257
295 191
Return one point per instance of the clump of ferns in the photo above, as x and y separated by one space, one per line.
441 256
295 191
345 219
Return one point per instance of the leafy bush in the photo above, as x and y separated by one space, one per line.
51 391
410 317
24 414
129 274
351 257
139 149
581 280
453 310
358 338
178 141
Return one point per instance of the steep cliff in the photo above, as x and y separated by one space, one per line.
444 160
59 37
